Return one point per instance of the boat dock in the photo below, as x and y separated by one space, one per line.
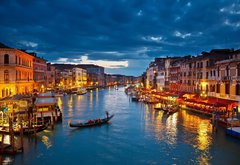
233 131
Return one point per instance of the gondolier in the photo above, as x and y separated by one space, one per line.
107 114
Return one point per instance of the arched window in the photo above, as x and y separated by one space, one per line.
7 92
6 75
3 92
227 69
6 59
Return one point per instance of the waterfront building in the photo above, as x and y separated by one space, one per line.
16 71
205 64
79 77
174 76
188 75
63 79
39 73
110 80
51 76
227 77
153 72
95 75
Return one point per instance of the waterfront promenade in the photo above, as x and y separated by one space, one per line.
136 135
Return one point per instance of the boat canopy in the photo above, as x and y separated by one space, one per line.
40 102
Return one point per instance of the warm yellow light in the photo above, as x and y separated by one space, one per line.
204 84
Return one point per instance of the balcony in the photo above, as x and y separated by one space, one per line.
237 78
226 78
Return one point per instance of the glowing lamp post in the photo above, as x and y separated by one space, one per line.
203 94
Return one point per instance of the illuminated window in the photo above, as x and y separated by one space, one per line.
6 75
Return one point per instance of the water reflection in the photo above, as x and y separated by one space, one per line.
70 105
90 99
200 135
46 141
171 129
139 134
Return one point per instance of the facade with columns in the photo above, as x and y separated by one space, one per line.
16 72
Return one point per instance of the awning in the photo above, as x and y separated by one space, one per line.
45 95
40 102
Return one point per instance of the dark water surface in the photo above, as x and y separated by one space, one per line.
136 135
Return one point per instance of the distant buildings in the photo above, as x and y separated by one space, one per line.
22 72
79 77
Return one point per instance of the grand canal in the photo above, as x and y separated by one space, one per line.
136 135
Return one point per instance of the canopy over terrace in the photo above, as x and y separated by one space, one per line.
45 95
43 102
166 96
214 102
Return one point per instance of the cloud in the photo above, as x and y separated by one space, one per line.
84 60
157 39
182 35
189 4
132 31
232 24
29 44
233 9
140 13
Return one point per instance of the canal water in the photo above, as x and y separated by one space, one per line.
136 135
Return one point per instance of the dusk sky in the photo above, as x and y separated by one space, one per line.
122 35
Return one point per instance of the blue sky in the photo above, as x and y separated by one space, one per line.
122 35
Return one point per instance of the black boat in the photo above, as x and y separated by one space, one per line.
92 122
25 130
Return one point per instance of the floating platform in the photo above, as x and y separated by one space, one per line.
233 131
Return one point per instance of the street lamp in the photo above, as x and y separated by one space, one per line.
203 94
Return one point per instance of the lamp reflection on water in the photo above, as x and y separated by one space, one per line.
46 141
171 128
201 139
90 100
97 90
70 106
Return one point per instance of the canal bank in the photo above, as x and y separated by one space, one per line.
136 135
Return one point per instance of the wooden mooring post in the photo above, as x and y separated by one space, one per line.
21 134
2 144
52 121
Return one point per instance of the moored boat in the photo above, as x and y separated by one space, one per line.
91 123
25 130
81 91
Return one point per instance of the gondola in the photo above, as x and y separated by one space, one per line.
25 130
91 124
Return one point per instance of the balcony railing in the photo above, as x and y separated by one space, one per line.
226 78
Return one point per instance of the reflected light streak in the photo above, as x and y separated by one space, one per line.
59 103
97 90
171 128
202 140
46 141
70 107
91 100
